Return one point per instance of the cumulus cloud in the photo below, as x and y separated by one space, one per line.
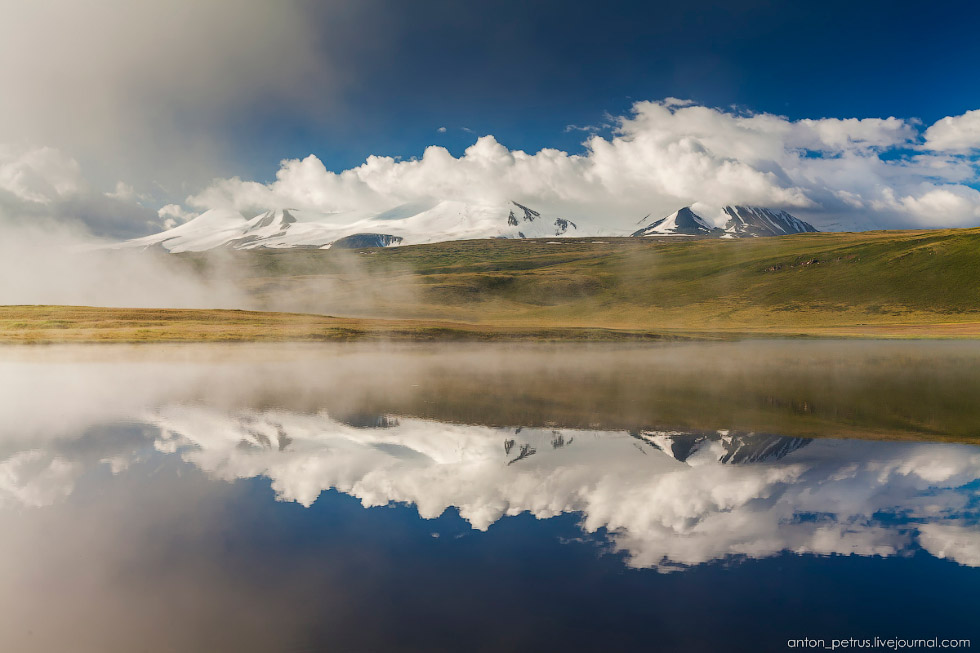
125 192
43 184
173 215
935 206
838 173
955 133
40 175
151 100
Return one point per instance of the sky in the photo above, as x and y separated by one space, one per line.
121 118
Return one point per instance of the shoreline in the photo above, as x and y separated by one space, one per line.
55 324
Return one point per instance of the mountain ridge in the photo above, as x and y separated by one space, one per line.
742 222
407 224
440 221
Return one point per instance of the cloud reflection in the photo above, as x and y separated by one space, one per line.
667 500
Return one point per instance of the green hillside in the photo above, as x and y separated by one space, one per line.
871 284
823 280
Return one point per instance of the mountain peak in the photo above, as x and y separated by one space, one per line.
683 222
410 223
743 222
752 221
437 221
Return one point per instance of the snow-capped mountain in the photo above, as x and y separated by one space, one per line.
742 222
757 221
683 222
406 224
436 221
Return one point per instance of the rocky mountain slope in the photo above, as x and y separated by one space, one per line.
431 222
742 222
683 222
409 224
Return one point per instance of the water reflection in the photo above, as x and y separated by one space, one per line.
666 499
682 499
137 487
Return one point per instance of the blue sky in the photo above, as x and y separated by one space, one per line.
114 110
524 71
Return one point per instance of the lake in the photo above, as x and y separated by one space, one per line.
752 496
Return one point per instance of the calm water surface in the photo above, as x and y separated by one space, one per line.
725 497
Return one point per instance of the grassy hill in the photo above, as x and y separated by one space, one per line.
88 324
823 280
885 283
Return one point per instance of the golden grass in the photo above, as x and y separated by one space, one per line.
807 284
886 284
85 324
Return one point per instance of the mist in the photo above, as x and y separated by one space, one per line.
51 263
803 389
47 262
142 92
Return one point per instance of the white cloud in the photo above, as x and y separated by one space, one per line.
147 88
661 156
955 133
45 185
174 214
947 206
126 193
832 134
38 175
836 173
